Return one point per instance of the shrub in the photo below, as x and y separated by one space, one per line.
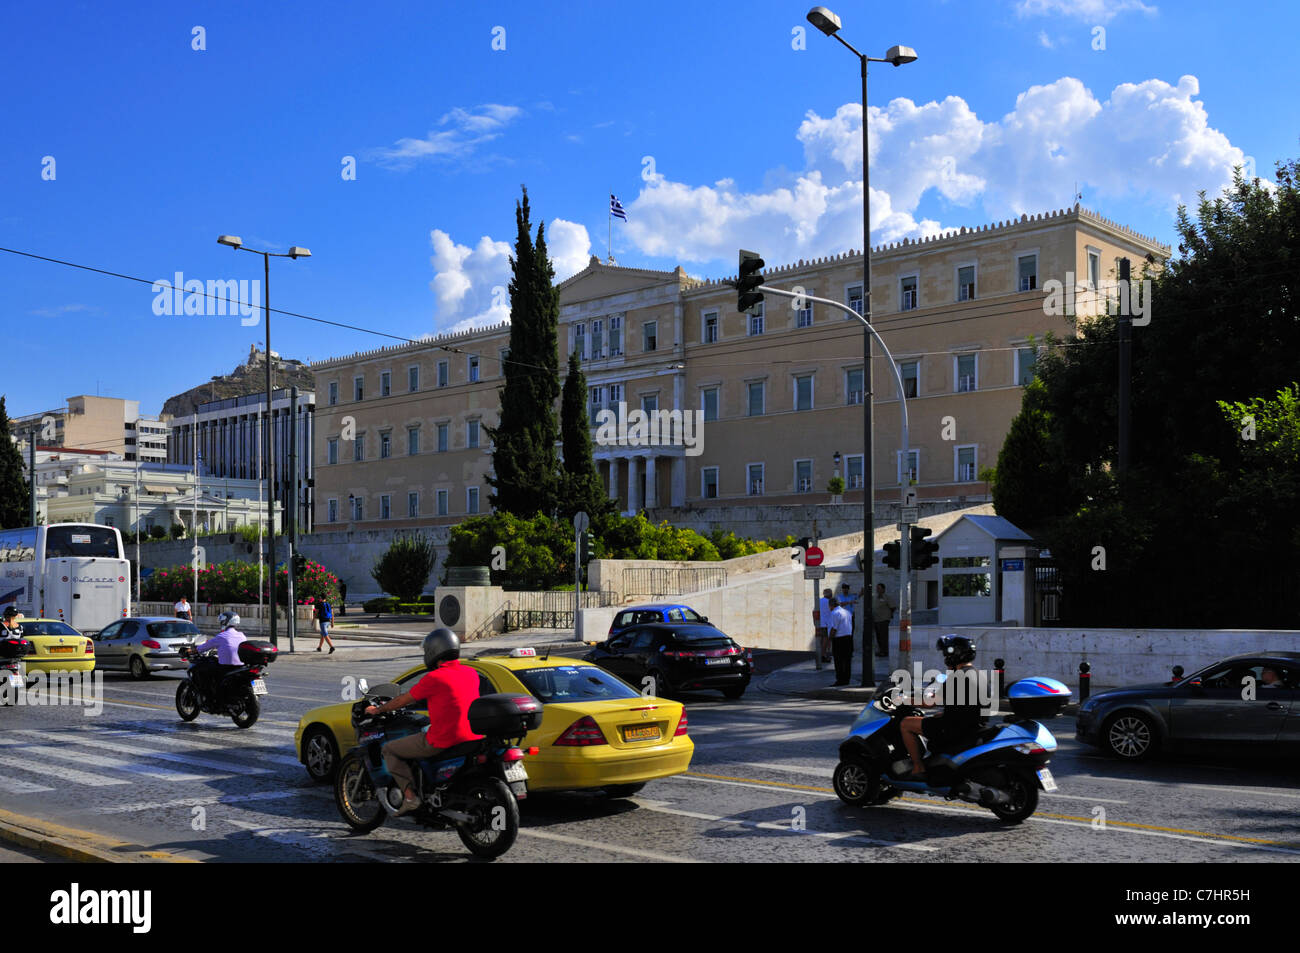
836 485
157 532
236 582
404 570
380 604
177 531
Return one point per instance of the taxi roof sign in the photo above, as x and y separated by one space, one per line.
523 653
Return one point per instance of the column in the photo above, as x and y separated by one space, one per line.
613 479
651 484
633 486
678 489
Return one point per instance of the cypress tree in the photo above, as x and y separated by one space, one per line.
15 499
526 477
583 488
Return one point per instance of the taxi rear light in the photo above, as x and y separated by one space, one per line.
582 733
534 750
151 644
90 648
681 725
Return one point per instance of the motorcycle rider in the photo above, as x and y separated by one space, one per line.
208 674
960 698
11 628
449 687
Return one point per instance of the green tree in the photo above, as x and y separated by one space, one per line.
15 491
403 571
526 476
583 490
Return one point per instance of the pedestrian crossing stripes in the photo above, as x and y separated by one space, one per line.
100 761
63 774
102 742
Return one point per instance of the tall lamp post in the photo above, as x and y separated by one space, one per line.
235 242
826 21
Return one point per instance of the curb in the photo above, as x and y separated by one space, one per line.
83 847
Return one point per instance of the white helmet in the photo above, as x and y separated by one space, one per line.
228 620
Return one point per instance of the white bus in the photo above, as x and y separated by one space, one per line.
75 572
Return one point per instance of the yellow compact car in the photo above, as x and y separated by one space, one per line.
597 731
58 647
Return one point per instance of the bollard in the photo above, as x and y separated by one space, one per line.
1000 677
1085 681
1178 673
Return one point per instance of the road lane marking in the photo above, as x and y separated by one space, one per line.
608 848
64 774
662 807
15 786
312 840
98 741
172 735
99 761
1192 787
196 801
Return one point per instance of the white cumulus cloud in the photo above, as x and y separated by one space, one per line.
459 133
1090 11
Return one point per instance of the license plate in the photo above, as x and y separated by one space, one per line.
717 661
642 733
59 649
259 687
516 771
1045 776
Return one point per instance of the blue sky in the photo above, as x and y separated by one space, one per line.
718 126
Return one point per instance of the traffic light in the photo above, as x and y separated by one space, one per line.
924 552
802 547
584 547
892 556
748 281
299 564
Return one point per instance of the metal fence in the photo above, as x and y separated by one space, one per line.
549 610
657 583
1048 594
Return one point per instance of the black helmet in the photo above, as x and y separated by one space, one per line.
10 611
440 645
957 650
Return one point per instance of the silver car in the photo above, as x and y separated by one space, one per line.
143 645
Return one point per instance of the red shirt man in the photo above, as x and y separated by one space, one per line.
448 689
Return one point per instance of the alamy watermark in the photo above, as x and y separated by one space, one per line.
38 689
979 686
1071 298
221 297
651 428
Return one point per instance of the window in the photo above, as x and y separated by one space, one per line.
754 473
803 476
1094 269
853 386
709 483
907 289
332 453
358 507
615 394
965 457
580 341
412 440
853 472
911 374
966 369
1025 358
442 437
503 356
333 507
650 403
385 445
756 321
650 336
755 390
334 392
359 448
1027 273
357 387
709 403
412 504
444 373
597 339
966 283
597 400
710 327
385 383
471 499
384 511
442 502
963 585
413 379
913 465
471 434
473 368
616 335
803 317
853 298
803 392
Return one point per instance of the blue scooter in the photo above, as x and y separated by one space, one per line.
1002 767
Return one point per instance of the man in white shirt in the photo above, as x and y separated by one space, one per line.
840 631
823 625
182 608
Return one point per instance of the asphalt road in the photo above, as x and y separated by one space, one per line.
758 790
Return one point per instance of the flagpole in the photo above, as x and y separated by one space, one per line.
609 225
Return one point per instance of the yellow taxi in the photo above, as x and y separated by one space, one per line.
597 731
58 647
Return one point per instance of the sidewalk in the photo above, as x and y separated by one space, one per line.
803 680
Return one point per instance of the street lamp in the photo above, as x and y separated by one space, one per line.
826 21
237 243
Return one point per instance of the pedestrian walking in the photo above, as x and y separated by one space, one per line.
324 616
841 636
882 610
182 609
823 624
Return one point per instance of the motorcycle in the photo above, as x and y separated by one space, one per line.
235 693
473 787
1002 767
13 671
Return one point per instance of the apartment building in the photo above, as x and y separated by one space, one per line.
110 424
779 394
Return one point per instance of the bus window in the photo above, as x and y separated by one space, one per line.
72 540
18 545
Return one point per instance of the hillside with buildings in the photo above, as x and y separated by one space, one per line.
248 378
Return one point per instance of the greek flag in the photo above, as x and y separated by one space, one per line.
616 209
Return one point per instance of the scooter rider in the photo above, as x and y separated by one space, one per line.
960 698
449 687
10 626
226 642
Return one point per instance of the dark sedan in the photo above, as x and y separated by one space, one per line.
1251 699
663 658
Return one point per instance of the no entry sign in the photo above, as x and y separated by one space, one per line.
813 556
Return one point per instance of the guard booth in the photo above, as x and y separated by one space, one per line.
983 561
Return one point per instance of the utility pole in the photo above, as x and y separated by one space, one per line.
292 529
31 473
1125 367
194 511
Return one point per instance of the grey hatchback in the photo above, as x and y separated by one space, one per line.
144 644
